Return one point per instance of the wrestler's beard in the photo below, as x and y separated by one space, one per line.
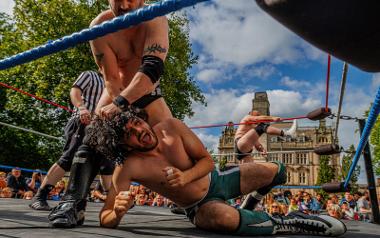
146 148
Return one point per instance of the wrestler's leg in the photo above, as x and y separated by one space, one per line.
247 141
269 174
220 217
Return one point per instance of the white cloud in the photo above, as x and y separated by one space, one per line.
239 33
210 141
6 6
376 80
294 84
209 75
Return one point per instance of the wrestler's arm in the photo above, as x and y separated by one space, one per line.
262 118
156 44
196 151
106 59
115 206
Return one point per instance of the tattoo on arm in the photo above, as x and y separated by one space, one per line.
99 57
154 48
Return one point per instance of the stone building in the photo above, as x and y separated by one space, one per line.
301 162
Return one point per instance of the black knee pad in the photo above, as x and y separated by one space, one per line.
83 171
261 128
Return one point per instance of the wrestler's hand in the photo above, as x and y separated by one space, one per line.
175 177
109 110
260 148
85 115
123 202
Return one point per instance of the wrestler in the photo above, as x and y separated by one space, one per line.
132 62
247 136
169 159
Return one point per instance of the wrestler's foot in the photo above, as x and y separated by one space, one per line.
300 223
39 204
66 215
251 201
292 132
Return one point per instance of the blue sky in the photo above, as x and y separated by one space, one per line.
242 50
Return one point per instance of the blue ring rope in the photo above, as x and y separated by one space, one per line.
134 18
297 187
371 120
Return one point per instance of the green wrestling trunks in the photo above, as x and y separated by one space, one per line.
224 185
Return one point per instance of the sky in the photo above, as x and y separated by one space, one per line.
242 50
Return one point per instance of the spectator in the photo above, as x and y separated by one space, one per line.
99 194
17 183
6 193
317 204
141 199
158 201
58 191
35 182
350 199
348 212
3 180
335 211
275 209
364 207
28 195
293 207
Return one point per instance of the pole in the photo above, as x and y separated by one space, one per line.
370 177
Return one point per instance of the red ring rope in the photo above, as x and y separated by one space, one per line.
36 97
246 123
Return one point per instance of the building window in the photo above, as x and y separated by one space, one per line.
289 177
302 177
273 157
301 158
287 158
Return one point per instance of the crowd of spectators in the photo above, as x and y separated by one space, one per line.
350 206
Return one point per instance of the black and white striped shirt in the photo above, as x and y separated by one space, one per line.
91 84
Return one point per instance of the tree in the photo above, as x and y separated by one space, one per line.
346 164
326 172
375 142
34 23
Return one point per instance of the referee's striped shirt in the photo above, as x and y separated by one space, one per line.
91 84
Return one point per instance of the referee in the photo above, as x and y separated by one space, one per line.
84 94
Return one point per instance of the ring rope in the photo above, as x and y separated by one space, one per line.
122 22
246 123
341 95
31 131
268 152
36 97
371 120
22 169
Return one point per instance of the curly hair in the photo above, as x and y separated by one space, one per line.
106 136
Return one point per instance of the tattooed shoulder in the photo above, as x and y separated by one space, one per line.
155 48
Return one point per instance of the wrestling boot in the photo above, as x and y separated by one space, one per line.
292 132
252 199
300 223
70 212
39 201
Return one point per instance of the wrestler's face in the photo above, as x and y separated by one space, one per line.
121 7
139 135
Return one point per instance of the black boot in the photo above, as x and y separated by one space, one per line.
39 201
70 212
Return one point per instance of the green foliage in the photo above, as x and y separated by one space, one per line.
36 22
375 142
326 172
346 164
223 163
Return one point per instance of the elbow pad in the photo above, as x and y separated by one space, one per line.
152 66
